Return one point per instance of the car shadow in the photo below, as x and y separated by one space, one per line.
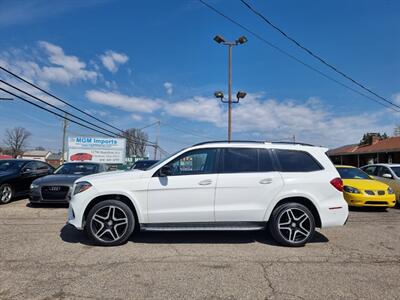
70 235
369 209
46 205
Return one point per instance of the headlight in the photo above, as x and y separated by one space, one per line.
390 191
34 186
350 189
81 187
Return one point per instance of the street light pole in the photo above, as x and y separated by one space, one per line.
230 93
220 40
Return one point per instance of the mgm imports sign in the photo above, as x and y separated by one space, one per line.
95 149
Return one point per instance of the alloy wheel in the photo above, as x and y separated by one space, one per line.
109 223
294 225
5 194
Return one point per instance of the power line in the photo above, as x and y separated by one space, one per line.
59 99
147 143
191 132
259 37
315 55
55 107
54 113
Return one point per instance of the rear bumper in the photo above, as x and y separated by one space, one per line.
334 212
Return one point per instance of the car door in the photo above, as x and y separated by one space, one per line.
381 171
187 193
28 174
246 184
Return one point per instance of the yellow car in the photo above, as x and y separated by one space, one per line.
361 190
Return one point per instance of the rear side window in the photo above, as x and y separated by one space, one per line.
246 160
297 161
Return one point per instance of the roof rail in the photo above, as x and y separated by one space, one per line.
293 143
225 141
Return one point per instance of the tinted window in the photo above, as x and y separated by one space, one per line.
370 170
297 161
383 170
201 161
352 173
10 165
246 160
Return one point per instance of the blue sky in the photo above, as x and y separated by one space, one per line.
134 62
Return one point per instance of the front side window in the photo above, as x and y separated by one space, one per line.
297 161
383 170
396 171
200 161
370 170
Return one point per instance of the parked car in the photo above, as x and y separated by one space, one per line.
386 173
16 175
143 164
81 157
56 188
359 189
291 189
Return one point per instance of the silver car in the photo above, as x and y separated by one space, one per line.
56 188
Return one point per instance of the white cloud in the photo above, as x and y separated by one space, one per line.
47 64
396 98
124 102
67 68
197 109
112 60
169 88
136 117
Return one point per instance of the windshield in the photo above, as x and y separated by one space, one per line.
352 173
162 160
396 171
77 169
10 165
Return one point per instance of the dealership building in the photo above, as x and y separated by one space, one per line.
373 149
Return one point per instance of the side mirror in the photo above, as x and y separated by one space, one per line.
387 175
26 171
165 171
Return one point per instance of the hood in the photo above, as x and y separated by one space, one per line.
116 175
365 184
57 179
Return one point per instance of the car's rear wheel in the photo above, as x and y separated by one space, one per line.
110 223
6 193
292 224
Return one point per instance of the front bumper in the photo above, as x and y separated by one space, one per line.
360 200
35 196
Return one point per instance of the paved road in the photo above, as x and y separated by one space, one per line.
41 258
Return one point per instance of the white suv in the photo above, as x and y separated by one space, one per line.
289 188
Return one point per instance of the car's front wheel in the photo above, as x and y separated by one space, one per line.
6 193
292 224
110 223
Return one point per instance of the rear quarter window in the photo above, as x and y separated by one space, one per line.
297 161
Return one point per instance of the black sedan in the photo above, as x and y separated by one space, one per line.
57 188
16 175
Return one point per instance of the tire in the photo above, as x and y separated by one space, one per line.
110 223
292 224
6 193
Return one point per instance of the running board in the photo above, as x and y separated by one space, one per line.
204 226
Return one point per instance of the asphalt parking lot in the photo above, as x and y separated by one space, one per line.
42 258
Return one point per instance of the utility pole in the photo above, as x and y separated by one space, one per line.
157 137
220 40
65 125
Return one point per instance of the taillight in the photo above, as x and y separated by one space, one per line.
337 183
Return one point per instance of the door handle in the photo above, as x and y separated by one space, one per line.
205 182
266 181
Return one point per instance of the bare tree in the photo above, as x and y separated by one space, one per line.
16 139
136 140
